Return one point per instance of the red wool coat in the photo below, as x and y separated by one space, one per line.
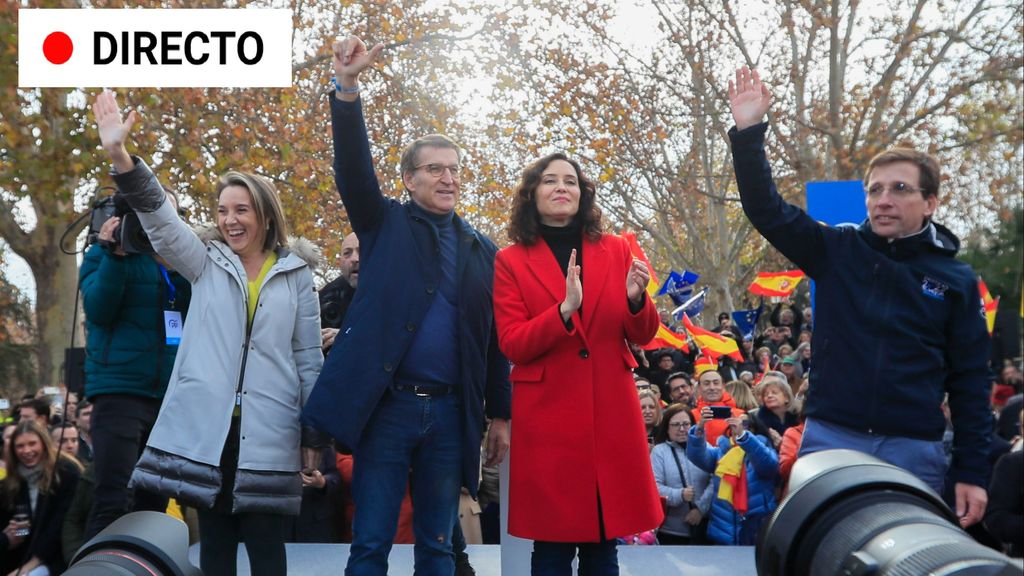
576 427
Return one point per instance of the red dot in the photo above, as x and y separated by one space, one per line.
58 48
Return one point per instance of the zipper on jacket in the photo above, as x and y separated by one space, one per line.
248 336
880 349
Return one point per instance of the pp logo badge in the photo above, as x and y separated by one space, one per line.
934 289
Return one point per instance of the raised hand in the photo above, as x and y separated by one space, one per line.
573 289
113 129
636 280
350 58
749 99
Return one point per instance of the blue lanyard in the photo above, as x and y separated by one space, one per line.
171 290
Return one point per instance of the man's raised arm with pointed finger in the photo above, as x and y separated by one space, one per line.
897 319
415 370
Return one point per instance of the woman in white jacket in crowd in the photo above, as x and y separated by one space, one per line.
227 439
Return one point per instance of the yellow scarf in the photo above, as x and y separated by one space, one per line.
732 474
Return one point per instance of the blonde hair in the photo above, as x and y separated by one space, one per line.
657 405
12 483
741 394
265 202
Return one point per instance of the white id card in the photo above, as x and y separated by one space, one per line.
172 327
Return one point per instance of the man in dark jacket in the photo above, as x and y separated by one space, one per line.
337 294
416 365
129 300
898 320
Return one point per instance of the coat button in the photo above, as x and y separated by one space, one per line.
410 326
584 353
430 290
387 366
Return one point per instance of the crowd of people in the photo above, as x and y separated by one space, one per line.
221 386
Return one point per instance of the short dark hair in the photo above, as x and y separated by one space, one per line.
82 406
524 225
412 151
675 375
931 173
39 405
661 434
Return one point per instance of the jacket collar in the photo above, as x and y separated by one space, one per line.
548 271
934 237
299 252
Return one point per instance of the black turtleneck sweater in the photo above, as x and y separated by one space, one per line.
562 242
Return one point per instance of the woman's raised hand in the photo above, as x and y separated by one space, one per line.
113 129
636 280
573 289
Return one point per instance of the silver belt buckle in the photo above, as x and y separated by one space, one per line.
416 391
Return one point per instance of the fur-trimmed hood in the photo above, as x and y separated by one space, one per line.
301 247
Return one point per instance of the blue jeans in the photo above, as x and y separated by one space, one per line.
925 459
555 558
424 434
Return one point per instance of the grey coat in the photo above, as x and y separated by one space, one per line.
276 372
670 486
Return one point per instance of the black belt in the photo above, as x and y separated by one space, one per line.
425 389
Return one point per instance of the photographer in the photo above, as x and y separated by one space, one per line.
129 300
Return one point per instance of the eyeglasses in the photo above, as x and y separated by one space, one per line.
679 424
643 386
437 170
897 189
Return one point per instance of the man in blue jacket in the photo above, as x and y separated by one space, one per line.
416 362
897 321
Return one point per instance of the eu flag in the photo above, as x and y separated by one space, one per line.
746 320
679 287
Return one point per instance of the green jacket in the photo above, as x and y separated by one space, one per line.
124 299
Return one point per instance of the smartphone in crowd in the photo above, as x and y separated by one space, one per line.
720 412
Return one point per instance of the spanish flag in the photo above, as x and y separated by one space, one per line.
732 474
665 338
711 344
652 285
779 284
988 304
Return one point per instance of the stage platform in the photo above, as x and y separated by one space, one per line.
329 560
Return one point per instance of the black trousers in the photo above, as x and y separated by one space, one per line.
220 531
120 428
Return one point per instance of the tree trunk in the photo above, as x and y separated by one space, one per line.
56 276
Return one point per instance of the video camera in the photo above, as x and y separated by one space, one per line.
129 235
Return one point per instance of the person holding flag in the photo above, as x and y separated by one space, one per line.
897 321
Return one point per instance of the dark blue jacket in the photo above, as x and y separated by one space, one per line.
124 300
725 525
399 272
896 324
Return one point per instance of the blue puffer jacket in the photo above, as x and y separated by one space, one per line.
124 300
725 525
896 324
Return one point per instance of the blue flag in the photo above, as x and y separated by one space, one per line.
746 320
692 307
679 287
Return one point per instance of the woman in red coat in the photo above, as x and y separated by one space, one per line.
567 299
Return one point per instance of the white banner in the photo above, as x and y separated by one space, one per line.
127 48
